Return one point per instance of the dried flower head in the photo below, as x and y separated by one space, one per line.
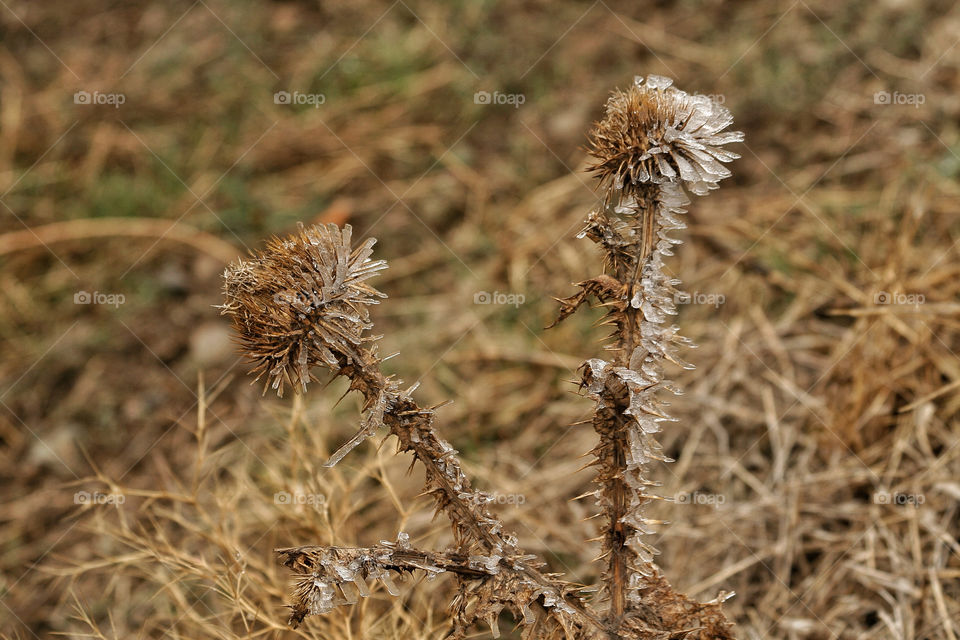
302 302
655 133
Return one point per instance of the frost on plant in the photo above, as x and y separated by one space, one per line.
656 134
302 303
654 143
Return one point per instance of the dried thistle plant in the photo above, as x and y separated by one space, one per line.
302 303
653 143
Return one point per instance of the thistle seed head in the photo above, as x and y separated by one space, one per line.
302 302
653 133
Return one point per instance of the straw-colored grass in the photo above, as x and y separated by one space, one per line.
815 406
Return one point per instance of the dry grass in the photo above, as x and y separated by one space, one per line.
809 398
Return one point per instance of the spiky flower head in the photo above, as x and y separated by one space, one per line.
302 302
653 133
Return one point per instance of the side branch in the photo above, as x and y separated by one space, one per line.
322 571
605 288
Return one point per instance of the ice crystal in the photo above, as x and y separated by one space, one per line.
368 428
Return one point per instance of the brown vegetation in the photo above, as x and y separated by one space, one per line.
816 458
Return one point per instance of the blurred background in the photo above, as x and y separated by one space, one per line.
143 146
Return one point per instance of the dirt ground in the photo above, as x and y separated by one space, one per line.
143 146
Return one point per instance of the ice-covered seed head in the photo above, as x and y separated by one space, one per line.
302 302
653 133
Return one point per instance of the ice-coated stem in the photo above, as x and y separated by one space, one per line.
640 298
466 507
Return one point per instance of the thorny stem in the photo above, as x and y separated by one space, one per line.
305 559
413 427
614 440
